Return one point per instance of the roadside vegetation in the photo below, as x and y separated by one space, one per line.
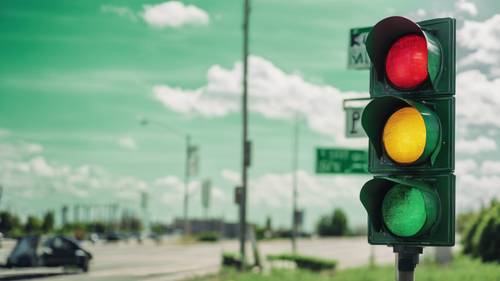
462 268
481 235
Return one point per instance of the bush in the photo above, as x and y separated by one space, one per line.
306 262
231 259
482 237
208 237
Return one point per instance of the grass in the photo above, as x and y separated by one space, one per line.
462 269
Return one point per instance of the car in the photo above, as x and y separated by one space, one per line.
114 236
52 251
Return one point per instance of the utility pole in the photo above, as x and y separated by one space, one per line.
246 143
294 183
190 150
187 225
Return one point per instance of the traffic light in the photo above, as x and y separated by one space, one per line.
410 123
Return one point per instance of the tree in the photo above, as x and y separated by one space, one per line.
9 223
33 225
334 225
48 222
339 223
482 237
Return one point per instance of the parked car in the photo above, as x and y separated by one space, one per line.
53 251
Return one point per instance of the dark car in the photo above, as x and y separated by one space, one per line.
55 251
114 236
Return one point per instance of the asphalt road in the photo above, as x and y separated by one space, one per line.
173 261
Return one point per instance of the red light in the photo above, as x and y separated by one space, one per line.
406 62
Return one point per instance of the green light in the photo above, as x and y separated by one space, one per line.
403 210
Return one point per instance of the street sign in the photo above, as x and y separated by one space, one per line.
341 161
358 57
238 191
298 217
205 193
353 128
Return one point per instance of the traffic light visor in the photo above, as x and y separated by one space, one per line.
403 53
406 208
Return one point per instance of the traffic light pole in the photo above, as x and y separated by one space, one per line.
246 156
406 261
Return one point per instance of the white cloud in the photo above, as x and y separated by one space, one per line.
466 7
490 167
231 176
273 93
476 183
4 133
127 142
473 190
120 11
270 195
464 167
480 144
34 148
461 10
421 13
483 39
174 14
40 167
478 99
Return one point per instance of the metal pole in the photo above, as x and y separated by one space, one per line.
406 261
187 226
243 229
294 183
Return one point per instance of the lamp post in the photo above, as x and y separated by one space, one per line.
190 149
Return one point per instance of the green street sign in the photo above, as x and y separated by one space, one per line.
358 57
341 161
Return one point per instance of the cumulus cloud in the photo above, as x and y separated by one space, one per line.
482 38
477 183
120 11
270 195
4 133
473 146
231 176
490 167
127 142
461 10
273 94
477 99
466 7
34 148
463 167
48 184
174 14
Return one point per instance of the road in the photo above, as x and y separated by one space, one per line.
174 261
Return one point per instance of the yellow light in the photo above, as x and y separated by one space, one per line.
405 135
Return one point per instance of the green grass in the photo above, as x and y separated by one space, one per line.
462 269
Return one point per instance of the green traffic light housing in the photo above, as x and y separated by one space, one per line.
422 54
410 123
410 210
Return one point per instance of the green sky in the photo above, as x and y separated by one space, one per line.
74 76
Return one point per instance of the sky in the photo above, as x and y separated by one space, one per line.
76 77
